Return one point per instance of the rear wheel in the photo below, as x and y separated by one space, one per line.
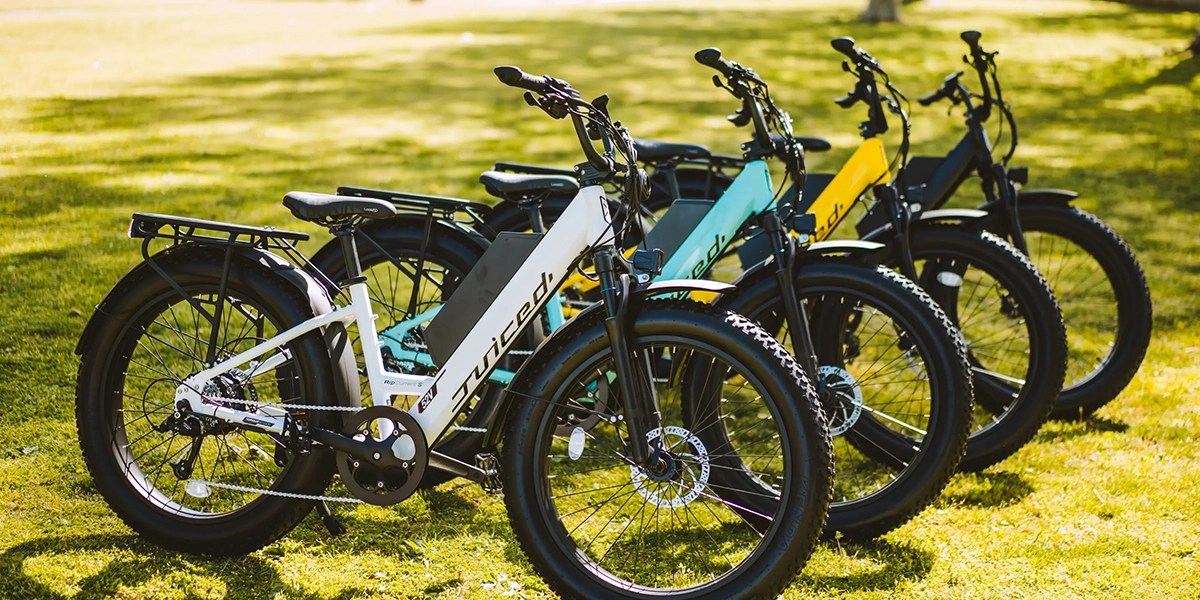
734 514
190 482
1104 298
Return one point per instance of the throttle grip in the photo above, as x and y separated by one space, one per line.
711 57
930 99
845 45
517 78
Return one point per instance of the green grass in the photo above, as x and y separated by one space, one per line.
215 110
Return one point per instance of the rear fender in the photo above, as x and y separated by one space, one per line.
336 338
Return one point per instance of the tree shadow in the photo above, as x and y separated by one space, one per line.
137 562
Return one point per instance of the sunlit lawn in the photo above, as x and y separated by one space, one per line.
215 110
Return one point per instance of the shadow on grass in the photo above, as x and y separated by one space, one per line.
984 490
135 562
878 565
1068 430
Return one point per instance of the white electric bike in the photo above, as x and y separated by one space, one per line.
651 447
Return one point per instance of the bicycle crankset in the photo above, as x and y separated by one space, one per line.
394 458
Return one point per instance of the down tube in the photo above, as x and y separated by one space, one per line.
749 194
584 223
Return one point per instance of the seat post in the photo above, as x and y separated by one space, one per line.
534 208
344 232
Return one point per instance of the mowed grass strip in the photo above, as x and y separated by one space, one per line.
215 110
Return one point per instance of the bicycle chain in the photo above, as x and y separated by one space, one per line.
242 488
257 405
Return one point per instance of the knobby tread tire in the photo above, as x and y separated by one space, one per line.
585 337
267 518
1134 305
880 513
1047 334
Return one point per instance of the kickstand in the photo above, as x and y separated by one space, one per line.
331 522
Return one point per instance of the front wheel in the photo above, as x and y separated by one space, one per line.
1104 298
896 387
1016 342
732 519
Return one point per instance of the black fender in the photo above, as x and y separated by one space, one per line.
508 399
443 230
270 265
1047 196
967 217
509 216
440 227
859 252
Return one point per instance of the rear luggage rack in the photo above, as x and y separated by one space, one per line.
438 206
183 229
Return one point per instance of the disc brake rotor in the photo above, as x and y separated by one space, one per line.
685 474
847 406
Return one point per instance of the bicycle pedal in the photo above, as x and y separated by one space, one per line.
490 465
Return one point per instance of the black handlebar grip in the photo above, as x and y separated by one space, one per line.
930 99
711 57
971 37
845 45
517 78
846 101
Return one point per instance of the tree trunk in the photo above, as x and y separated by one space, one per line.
881 11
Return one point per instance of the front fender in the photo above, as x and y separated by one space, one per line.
1047 196
583 319
858 252
956 216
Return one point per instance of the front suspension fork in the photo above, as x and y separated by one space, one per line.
634 379
1012 214
783 248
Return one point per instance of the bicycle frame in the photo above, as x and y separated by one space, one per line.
584 225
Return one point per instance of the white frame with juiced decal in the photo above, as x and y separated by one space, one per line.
585 224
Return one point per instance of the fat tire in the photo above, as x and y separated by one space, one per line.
924 473
1112 256
99 406
789 541
1047 348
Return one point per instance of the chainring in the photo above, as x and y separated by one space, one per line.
393 470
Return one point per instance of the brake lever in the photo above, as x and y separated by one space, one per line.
555 109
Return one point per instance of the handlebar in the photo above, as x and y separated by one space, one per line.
971 37
515 77
950 90
558 99
866 89
748 87
711 57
